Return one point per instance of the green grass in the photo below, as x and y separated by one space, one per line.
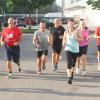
26 30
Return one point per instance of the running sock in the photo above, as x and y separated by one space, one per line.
18 64
98 59
43 64
10 71
55 66
72 76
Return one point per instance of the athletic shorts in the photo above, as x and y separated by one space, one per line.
82 50
40 53
71 59
56 48
12 53
98 47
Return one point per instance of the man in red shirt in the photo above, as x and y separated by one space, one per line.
10 38
97 36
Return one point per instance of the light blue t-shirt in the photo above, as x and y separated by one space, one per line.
71 44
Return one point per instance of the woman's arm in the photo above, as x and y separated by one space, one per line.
97 35
64 38
79 36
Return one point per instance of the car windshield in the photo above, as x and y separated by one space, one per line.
21 19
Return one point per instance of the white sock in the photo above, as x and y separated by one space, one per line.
98 59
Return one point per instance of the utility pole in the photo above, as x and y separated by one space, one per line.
62 8
36 15
22 7
4 15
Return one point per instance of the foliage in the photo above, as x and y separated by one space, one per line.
28 31
30 5
2 5
94 3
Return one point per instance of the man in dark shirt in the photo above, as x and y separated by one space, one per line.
57 35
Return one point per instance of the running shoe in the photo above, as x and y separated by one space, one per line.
84 73
78 71
10 75
70 80
44 67
55 67
98 66
60 57
19 68
39 72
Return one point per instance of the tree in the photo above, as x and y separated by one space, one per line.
9 6
32 5
6 5
2 6
50 8
94 3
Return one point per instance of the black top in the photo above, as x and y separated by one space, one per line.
56 32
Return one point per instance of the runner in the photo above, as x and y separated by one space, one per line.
83 46
97 36
41 40
70 41
11 37
57 36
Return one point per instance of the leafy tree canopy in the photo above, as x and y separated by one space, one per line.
94 3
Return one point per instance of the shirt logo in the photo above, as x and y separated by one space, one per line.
10 35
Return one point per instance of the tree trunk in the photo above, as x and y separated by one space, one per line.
30 21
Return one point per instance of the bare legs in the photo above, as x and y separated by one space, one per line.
55 59
41 63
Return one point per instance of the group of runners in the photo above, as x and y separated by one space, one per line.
74 40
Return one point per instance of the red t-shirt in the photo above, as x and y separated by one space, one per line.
11 35
97 33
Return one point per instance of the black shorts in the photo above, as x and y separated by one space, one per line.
40 53
71 59
56 48
82 50
98 47
12 52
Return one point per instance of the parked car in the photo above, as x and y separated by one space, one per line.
20 21
33 21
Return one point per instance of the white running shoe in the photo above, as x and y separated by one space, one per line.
9 76
39 72
98 66
84 73
78 71
60 57
19 68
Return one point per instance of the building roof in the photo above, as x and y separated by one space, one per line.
76 7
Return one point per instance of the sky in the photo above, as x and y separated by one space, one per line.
58 2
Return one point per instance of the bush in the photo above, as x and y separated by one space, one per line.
28 30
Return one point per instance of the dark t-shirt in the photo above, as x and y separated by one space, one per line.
56 32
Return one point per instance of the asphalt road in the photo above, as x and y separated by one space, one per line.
27 85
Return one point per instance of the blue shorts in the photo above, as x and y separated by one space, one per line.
12 53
